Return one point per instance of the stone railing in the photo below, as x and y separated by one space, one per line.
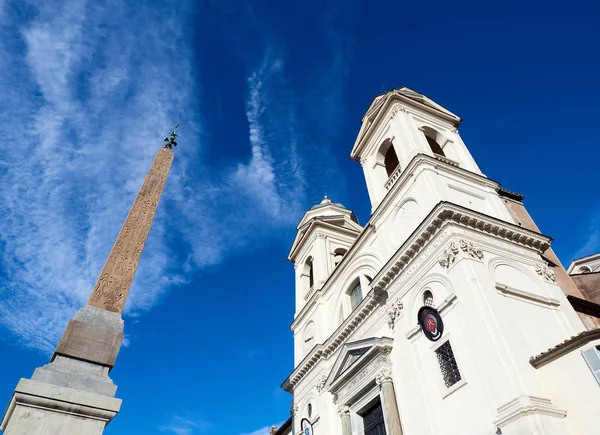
393 178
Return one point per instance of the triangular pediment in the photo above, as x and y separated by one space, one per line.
355 355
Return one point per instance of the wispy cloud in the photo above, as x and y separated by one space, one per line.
88 89
186 426
592 242
84 100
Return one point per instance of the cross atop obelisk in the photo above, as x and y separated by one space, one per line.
76 382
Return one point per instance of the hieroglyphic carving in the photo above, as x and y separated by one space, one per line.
112 288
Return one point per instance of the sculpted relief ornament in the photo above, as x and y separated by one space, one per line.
545 273
394 311
321 383
449 255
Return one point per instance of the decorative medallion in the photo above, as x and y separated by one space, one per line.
306 426
431 323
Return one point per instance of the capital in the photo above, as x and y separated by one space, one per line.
384 375
343 410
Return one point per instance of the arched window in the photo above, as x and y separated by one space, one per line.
309 410
390 161
584 269
308 270
338 254
433 139
428 299
356 295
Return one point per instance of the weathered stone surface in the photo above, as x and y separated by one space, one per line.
112 288
91 343
40 408
80 375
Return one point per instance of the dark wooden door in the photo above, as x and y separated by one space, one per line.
373 421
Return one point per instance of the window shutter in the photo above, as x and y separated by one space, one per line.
592 358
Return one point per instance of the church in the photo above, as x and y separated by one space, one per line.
448 311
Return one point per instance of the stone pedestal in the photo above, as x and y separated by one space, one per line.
40 408
73 394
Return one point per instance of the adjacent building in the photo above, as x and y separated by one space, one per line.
514 348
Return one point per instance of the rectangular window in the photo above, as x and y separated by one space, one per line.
356 296
448 365
592 358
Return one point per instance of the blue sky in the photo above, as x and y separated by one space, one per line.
269 96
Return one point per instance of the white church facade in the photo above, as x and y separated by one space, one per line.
516 347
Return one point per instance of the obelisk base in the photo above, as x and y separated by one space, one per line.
40 408
73 394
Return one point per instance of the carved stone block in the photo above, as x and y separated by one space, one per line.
90 343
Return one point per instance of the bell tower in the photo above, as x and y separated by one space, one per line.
398 126
325 234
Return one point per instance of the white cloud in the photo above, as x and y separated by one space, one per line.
88 91
592 243
85 103
186 426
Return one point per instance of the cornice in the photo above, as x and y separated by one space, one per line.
313 224
443 214
564 348
421 161
335 340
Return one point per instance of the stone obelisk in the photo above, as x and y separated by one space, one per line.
73 394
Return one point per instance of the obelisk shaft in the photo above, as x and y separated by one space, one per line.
112 287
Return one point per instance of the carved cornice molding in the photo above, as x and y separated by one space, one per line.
446 213
523 406
545 273
565 347
320 351
394 311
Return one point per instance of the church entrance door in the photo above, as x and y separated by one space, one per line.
373 421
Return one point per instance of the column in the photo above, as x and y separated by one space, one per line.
344 412
389 405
